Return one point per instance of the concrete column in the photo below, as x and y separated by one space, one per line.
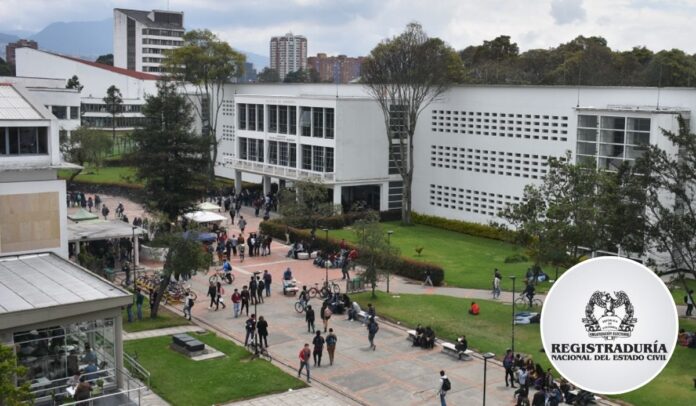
238 181
384 197
337 198
118 349
266 185
77 248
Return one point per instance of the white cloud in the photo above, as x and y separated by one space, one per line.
567 11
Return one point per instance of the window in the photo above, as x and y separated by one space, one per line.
329 160
307 157
272 119
317 159
329 125
23 141
293 156
305 121
259 117
251 111
61 112
292 114
242 148
318 122
283 119
273 152
242 116
74 113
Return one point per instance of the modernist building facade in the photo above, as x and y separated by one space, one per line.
476 147
141 37
288 53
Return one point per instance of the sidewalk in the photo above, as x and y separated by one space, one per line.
168 331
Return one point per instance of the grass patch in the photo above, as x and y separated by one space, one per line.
678 292
468 261
181 381
109 175
491 332
165 318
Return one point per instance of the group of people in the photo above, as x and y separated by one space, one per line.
232 202
687 338
251 294
344 259
528 375
227 247
425 337
79 199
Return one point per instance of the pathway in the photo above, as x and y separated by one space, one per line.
302 397
161 332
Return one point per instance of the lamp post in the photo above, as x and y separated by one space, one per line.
513 314
135 276
326 231
389 233
486 357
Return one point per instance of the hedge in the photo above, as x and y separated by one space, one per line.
407 267
340 221
475 229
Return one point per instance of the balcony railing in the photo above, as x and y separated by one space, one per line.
279 171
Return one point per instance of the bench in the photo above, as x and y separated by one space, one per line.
187 342
411 335
302 255
450 349
362 316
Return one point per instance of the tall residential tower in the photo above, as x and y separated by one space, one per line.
288 54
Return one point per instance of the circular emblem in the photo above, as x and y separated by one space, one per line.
609 325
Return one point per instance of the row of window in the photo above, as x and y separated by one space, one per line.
153 50
282 153
228 132
460 113
102 108
467 200
313 158
155 41
148 59
65 112
493 162
317 159
163 33
282 119
608 141
23 141
313 121
511 125
121 122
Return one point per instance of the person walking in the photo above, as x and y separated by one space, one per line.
496 284
232 213
318 348
188 304
219 292
236 300
262 328
242 225
428 280
253 289
212 293
260 287
309 318
305 353
250 327
325 315
331 341
372 329
105 211
445 386
508 363
689 300
267 279
245 300
139 299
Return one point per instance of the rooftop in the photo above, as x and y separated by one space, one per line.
143 17
122 71
100 230
15 107
42 281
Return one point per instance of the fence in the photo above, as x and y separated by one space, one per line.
136 369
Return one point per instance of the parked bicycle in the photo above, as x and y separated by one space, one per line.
523 303
259 351
325 290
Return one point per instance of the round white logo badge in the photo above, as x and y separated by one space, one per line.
609 325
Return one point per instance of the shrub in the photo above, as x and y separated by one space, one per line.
402 266
475 229
516 258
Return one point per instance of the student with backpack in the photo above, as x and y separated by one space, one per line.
689 301
508 363
305 354
445 386
372 329
331 341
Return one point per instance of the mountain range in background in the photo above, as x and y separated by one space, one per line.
87 40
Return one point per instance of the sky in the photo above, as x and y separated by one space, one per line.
354 27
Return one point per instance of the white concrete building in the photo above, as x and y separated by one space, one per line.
476 147
288 54
33 66
141 37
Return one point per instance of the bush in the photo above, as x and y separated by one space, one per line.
516 258
475 229
402 266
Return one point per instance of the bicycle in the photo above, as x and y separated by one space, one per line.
523 303
258 351
324 291
222 276
301 306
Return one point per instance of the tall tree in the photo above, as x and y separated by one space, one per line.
107 59
170 157
5 68
404 75
84 146
74 83
10 393
305 203
206 64
375 252
114 104
184 258
268 75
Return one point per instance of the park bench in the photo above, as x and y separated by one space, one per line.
302 255
450 349
411 335
362 316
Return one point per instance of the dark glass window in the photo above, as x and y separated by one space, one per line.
272 119
329 125
307 157
292 114
306 121
318 122
283 119
242 116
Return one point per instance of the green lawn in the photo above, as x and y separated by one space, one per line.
110 175
678 291
468 261
491 331
165 318
181 381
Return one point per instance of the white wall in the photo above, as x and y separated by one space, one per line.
120 39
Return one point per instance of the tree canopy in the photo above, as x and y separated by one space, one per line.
74 83
304 203
11 394
268 75
170 157
107 59
83 146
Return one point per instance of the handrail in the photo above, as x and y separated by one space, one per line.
134 366
279 170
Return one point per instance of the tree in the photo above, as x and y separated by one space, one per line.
170 158
5 68
404 75
305 203
206 64
10 393
85 145
374 251
268 75
184 258
670 181
114 103
302 76
107 59
74 83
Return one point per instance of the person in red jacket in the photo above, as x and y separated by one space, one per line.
474 309
305 354
236 300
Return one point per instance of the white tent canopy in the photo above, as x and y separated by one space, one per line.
208 206
204 217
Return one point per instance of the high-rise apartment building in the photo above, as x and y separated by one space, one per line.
141 37
288 54
12 46
336 69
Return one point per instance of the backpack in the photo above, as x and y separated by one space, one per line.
446 384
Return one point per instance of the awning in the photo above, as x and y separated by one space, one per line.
208 206
82 215
204 217
93 230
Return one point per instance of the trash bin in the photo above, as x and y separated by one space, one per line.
356 284
109 274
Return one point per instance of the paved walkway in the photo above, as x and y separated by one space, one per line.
161 332
302 397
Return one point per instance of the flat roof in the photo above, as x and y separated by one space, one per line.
41 281
92 230
15 107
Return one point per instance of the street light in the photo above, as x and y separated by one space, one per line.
513 314
486 357
389 233
326 230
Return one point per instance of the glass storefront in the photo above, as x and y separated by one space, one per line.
55 355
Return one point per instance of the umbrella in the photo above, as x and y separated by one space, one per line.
82 215
208 206
204 217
